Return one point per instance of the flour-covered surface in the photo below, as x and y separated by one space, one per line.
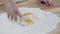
44 22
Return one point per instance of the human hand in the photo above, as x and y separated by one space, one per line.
12 10
46 2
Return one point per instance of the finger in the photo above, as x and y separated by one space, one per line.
18 13
12 17
15 18
49 3
15 10
8 14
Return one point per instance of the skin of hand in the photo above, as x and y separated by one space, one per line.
46 2
11 8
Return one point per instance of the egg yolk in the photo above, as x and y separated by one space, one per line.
25 14
29 21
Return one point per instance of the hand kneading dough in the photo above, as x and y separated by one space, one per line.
45 22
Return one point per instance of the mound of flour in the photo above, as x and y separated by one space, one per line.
46 22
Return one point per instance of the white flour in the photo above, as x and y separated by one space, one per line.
47 22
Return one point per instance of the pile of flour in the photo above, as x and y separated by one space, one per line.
46 22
